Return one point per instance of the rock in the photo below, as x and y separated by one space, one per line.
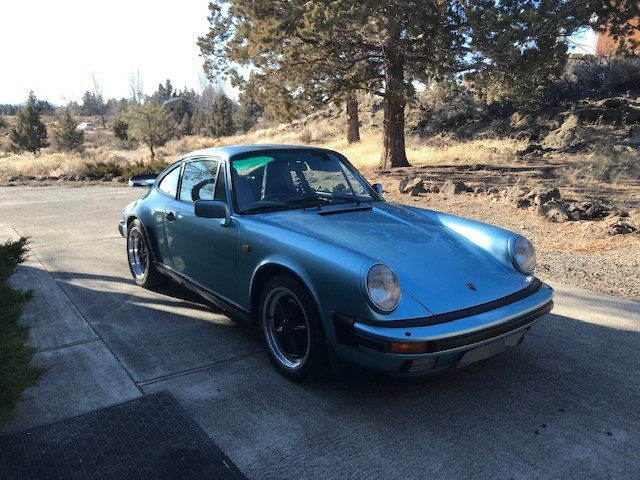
542 195
118 179
78 178
108 177
516 195
613 103
453 188
634 132
597 212
554 212
632 116
493 191
434 189
574 216
478 190
533 148
52 177
408 184
593 114
12 179
621 228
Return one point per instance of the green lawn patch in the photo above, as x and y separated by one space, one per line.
16 371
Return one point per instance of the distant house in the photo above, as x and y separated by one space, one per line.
607 45
86 126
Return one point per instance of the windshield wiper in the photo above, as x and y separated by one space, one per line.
266 208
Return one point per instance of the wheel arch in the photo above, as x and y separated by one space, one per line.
267 271
151 238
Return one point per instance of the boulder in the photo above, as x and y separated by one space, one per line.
554 212
478 190
632 116
453 188
434 189
493 191
597 212
118 179
412 185
542 195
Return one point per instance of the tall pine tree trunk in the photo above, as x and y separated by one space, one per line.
353 123
393 153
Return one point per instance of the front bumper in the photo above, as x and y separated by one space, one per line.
447 345
122 228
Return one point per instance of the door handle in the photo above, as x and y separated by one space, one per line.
170 216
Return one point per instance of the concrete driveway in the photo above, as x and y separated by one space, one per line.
565 404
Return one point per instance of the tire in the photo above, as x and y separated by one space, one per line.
141 265
291 328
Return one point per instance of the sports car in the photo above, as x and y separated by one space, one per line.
295 241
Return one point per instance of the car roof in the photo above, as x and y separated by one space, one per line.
230 151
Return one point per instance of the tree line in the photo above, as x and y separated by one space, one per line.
153 120
309 52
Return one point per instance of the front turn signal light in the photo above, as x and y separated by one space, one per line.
408 347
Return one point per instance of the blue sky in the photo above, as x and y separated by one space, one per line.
53 47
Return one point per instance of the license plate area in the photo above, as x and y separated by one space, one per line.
490 349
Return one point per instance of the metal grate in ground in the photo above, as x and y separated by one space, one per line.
149 437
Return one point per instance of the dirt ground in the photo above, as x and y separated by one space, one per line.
578 253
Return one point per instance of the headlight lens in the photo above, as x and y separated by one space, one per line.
523 255
383 288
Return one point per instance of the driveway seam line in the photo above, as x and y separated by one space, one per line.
72 344
171 376
83 317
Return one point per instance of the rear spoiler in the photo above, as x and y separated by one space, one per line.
143 180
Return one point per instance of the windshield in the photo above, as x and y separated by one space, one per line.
274 181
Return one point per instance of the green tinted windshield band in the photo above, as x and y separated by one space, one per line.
247 165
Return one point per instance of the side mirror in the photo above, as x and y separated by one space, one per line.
378 188
143 180
213 209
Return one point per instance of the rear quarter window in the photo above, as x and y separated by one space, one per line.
169 183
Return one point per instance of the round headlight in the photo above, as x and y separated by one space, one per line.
523 255
383 288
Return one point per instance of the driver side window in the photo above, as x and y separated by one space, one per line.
199 181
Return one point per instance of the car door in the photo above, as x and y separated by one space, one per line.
202 249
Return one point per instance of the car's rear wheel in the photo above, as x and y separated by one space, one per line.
141 264
291 328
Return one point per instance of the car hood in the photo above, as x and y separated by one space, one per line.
439 268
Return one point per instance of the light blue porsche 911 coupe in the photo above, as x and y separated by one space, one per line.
295 241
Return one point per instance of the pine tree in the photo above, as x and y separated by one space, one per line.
221 120
151 124
317 49
29 133
67 137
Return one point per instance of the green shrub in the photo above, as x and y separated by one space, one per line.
101 169
624 75
120 128
121 169
16 371
143 168
66 137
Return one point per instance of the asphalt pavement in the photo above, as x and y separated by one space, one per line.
564 404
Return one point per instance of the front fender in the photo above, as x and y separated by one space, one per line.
331 273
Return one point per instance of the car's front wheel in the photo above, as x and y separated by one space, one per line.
141 264
291 328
